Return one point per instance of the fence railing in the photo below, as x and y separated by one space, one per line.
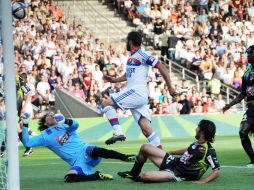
227 92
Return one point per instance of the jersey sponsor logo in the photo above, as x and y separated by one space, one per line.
133 62
62 139
185 157
201 149
129 72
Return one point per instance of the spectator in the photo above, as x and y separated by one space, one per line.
158 31
216 31
78 92
206 67
187 105
209 106
219 103
43 89
214 85
236 81
172 41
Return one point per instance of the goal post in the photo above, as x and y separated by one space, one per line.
6 30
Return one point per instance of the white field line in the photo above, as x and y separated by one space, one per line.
127 163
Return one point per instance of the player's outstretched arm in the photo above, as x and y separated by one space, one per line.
215 174
177 152
164 72
115 80
238 99
30 142
73 125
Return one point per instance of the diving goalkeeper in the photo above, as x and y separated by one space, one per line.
60 136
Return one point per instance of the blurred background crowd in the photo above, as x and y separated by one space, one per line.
208 37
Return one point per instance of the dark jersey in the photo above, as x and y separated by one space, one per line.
22 89
248 83
194 162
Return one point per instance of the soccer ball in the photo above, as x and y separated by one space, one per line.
19 10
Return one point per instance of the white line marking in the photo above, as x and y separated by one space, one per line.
127 163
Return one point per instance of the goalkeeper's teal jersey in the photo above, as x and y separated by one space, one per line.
61 139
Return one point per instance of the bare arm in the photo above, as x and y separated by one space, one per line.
211 177
115 80
27 99
238 99
178 152
165 75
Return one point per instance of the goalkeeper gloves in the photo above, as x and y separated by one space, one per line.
25 118
59 118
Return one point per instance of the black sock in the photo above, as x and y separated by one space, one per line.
136 169
78 177
246 143
105 153
3 146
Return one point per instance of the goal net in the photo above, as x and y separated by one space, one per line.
3 155
3 158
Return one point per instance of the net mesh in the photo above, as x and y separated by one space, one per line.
3 157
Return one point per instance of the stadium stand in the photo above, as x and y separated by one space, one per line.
61 52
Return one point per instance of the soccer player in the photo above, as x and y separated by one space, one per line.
63 140
23 93
247 90
193 163
135 97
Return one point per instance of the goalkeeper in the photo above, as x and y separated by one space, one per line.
60 136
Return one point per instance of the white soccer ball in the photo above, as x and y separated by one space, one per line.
19 10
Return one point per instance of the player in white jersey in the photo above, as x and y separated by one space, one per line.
135 97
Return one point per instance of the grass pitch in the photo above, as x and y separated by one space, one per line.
44 171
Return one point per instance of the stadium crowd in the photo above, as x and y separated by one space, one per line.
59 53
206 36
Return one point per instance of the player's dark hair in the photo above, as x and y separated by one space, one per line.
208 128
41 123
135 37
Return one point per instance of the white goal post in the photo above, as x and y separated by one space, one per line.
10 95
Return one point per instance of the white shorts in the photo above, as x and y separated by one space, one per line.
135 99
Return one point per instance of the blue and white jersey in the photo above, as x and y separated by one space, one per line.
62 139
137 68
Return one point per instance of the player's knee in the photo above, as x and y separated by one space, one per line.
146 177
70 178
243 134
145 148
244 131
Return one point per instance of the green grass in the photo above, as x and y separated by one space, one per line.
44 171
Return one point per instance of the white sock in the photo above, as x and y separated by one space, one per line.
154 140
113 119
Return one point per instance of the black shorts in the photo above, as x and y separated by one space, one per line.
168 164
248 117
